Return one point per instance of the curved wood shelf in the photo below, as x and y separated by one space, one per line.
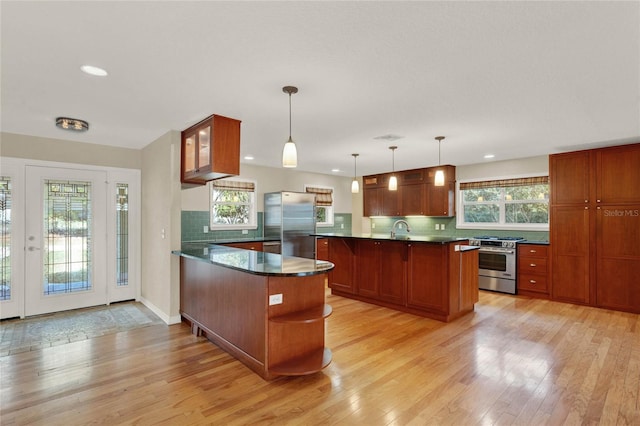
308 365
307 316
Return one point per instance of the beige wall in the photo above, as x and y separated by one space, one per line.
270 179
497 169
160 287
36 148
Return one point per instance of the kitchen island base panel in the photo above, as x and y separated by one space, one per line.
232 309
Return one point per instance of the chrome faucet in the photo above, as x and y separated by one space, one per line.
396 223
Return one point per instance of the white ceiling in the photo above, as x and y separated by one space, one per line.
515 79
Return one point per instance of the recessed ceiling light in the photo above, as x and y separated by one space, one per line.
72 124
91 70
248 157
335 170
489 156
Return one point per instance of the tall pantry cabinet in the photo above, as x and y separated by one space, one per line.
595 227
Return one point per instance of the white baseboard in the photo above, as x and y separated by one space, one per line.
169 320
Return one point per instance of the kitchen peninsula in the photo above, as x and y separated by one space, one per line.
265 309
435 277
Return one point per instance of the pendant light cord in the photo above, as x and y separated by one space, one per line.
289 115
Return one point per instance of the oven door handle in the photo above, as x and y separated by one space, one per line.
497 251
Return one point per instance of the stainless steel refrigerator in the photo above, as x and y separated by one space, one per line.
290 217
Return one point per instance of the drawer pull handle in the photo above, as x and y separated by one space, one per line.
532 281
532 251
533 265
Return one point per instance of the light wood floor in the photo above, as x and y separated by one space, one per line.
513 361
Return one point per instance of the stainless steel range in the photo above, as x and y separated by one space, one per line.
497 256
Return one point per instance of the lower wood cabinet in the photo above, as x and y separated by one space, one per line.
342 255
570 255
433 280
618 257
322 248
381 270
254 245
427 279
533 270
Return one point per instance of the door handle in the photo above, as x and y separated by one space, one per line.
32 248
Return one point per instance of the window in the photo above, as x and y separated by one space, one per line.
521 203
233 204
324 204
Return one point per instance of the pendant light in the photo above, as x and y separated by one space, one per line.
290 153
439 178
393 181
355 186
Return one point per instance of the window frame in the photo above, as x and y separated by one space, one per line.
501 225
328 209
253 208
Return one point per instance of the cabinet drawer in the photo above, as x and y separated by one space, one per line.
534 251
532 265
532 282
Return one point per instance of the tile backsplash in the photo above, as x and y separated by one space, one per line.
193 223
427 226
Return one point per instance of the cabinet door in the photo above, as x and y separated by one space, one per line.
341 254
570 238
618 175
322 248
189 147
427 278
440 199
368 268
618 257
390 202
393 271
412 199
372 203
570 175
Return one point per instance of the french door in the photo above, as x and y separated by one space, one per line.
66 245
69 238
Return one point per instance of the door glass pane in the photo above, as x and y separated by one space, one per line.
67 236
204 144
122 234
5 238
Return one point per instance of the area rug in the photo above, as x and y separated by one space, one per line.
33 333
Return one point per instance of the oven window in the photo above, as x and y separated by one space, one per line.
493 261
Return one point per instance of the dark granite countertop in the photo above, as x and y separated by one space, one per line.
403 237
253 262
231 240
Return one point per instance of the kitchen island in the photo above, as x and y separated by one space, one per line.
436 277
265 309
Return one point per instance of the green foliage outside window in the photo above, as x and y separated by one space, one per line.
321 214
231 207
517 204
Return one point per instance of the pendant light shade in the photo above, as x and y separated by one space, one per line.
439 178
355 186
290 152
393 181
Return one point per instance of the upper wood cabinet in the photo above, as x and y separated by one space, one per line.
210 150
416 194
569 176
618 175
